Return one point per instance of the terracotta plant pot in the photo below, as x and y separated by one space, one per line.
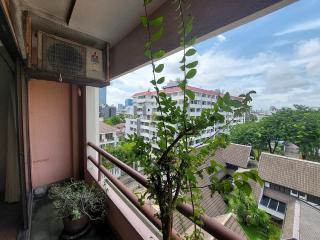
75 227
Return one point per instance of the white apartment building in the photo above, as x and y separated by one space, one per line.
145 109
108 135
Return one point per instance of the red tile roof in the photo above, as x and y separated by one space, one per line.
178 89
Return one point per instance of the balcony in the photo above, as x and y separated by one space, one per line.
125 204
55 114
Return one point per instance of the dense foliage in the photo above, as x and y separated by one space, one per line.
75 198
299 125
172 168
250 216
115 119
124 151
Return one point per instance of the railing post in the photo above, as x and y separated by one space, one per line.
99 171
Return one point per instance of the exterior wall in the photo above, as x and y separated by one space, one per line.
52 147
108 141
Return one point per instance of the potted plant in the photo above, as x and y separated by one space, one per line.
76 203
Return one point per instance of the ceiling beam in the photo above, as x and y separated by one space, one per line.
211 17
70 11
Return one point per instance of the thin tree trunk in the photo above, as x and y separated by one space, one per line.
269 145
275 146
167 228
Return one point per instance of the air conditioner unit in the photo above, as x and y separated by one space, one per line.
69 59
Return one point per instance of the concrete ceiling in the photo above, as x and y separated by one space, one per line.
108 20
54 9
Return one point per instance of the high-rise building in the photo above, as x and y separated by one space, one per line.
128 102
120 106
142 122
102 96
106 111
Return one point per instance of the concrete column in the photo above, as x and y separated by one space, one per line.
92 125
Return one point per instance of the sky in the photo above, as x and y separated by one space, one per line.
277 55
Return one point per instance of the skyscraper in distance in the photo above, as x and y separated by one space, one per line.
102 96
128 102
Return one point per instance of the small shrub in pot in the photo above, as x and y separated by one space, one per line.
77 202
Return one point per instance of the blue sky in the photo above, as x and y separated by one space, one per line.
277 55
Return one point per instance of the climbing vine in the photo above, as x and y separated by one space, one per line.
174 167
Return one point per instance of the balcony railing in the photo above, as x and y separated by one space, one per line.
209 224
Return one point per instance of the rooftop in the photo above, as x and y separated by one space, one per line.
302 221
106 128
235 154
301 175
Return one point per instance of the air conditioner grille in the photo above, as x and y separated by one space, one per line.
63 57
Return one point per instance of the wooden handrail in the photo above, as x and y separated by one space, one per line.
210 225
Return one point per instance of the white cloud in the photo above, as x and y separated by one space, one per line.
283 77
276 78
305 26
221 38
309 48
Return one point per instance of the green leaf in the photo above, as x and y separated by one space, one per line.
191 52
192 64
227 186
159 68
153 82
147 53
226 97
236 103
246 188
182 85
188 27
160 80
182 67
144 21
157 35
191 73
190 94
157 21
162 94
159 54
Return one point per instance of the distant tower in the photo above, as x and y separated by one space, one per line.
102 96
128 102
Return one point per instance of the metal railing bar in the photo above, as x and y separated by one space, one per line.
129 170
145 209
210 225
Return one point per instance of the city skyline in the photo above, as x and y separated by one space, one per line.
281 63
